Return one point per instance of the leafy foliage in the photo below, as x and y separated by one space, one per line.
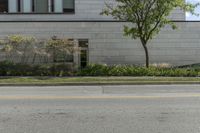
17 45
28 49
129 70
8 68
147 17
63 47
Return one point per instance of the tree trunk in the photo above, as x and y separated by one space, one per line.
146 54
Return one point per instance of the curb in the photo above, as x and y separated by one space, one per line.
105 84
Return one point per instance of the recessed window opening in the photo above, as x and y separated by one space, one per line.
36 6
18 5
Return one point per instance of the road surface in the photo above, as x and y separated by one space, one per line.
100 109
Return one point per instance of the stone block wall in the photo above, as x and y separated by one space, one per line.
107 45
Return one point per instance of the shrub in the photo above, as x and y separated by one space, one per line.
130 70
8 68
15 69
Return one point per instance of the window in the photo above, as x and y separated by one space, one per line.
36 6
68 5
13 5
40 6
83 59
52 6
3 6
18 5
65 6
25 6
58 6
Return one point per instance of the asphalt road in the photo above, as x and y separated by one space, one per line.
100 109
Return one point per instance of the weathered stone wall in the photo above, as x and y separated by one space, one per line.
108 45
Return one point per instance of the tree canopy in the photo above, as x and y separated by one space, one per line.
148 17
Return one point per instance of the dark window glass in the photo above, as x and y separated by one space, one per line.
19 5
41 6
83 44
52 5
83 58
68 6
4 6
33 5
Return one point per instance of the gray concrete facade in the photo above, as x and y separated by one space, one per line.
107 45
84 10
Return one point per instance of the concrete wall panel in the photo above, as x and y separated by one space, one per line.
108 45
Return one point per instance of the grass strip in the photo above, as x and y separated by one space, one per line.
96 80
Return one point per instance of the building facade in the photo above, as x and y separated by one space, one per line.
100 37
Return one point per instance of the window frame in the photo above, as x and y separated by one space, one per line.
35 13
83 49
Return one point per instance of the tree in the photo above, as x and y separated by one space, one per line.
28 49
18 46
60 49
147 17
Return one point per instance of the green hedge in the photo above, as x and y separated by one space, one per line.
15 69
128 70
